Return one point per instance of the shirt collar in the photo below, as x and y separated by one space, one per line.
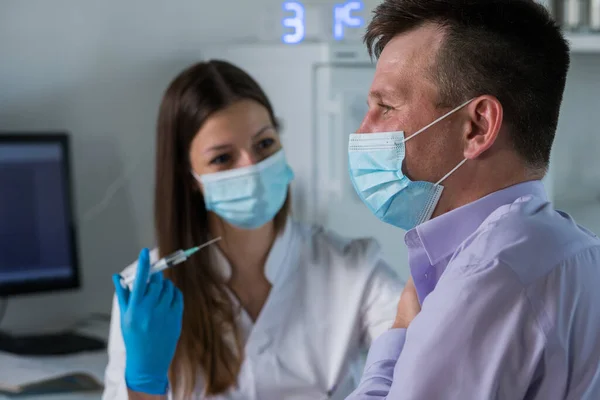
276 259
442 235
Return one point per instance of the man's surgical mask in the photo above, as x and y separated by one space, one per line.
375 166
248 197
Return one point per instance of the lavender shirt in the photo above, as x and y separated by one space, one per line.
510 294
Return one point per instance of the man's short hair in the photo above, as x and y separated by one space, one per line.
511 49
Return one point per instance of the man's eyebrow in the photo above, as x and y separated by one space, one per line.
388 95
376 94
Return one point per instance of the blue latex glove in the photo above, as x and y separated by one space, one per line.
151 315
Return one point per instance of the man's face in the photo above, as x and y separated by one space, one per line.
403 97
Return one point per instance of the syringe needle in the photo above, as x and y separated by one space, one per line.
191 251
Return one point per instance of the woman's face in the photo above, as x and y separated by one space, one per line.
235 137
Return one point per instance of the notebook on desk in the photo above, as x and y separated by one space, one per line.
25 376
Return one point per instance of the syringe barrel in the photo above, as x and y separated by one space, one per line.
160 265
170 260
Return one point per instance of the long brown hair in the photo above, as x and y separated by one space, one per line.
181 221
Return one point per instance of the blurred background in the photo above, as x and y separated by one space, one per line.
98 70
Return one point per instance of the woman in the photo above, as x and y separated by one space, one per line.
276 309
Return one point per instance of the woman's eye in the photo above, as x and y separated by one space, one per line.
265 143
222 159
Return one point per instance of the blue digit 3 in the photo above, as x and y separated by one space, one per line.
296 22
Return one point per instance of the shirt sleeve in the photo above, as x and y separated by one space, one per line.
476 337
381 301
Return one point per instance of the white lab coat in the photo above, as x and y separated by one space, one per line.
330 298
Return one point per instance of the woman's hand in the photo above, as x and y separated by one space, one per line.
151 316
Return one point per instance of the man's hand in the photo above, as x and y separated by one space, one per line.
408 306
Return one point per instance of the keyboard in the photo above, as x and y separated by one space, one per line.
49 344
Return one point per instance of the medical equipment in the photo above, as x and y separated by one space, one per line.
167 262
248 197
37 213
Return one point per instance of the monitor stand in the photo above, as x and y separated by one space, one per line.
52 344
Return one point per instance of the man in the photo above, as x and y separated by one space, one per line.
505 301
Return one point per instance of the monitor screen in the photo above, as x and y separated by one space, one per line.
37 243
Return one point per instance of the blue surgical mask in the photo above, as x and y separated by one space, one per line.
375 164
248 197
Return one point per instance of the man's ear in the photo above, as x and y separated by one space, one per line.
485 119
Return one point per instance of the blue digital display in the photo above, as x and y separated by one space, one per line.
342 17
296 22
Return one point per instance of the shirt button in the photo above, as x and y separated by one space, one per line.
430 273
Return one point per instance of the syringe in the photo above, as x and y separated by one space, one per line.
166 262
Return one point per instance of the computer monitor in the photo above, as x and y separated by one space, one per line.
38 245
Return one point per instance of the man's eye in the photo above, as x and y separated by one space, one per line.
385 107
222 159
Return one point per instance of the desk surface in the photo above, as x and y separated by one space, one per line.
93 363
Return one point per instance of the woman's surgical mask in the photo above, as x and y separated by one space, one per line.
375 166
248 197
